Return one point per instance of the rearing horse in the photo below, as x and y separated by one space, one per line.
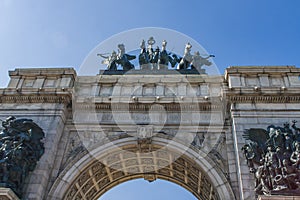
123 59
187 57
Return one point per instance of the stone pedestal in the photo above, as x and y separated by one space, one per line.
7 194
279 197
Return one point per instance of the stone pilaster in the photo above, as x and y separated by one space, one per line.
259 96
44 96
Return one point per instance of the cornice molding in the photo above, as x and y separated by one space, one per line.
263 99
148 106
55 98
66 98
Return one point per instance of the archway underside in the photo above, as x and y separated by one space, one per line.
146 161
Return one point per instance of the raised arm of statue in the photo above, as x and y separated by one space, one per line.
164 45
102 55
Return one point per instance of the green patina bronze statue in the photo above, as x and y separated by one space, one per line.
273 156
20 149
156 60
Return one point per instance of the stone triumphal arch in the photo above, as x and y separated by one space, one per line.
218 136
143 136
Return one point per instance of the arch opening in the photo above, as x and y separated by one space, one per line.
159 189
102 169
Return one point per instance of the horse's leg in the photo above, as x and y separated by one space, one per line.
186 64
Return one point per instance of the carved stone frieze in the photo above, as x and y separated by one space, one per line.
264 99
38 98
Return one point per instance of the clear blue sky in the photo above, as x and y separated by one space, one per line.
41 33
140 189
45 33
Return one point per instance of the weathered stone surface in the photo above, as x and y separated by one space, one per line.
81 113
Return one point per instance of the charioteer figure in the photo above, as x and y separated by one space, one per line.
144 57
150 51
124 59
157 59
165 57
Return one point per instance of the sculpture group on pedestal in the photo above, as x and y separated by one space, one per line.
20 149
155 60
273 155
